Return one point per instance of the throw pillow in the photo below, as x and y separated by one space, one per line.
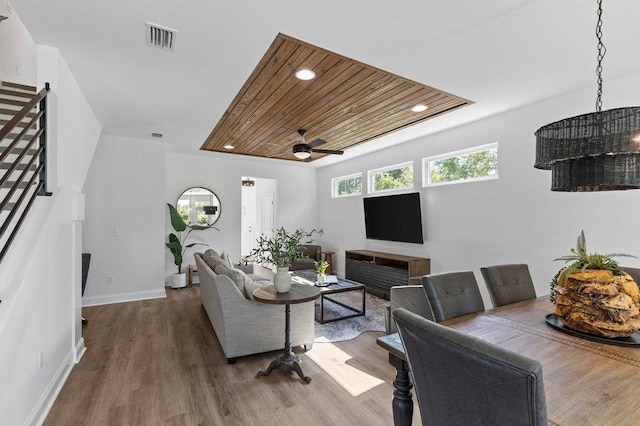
211 258
238 280
250 286
227 260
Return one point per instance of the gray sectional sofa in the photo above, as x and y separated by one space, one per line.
244 326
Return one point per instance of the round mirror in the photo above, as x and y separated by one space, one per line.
199 206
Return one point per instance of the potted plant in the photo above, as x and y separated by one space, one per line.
176 244
594 295
321 268
281 250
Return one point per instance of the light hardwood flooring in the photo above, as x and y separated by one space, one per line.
159 362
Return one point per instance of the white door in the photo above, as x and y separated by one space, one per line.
247 223
268 216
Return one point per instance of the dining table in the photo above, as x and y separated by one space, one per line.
586 382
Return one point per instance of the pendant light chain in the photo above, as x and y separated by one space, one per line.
601 52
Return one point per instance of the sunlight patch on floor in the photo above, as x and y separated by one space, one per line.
333 361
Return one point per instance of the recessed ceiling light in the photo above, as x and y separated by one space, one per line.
419 108
228 146
305 74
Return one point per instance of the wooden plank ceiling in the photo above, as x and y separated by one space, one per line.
348 103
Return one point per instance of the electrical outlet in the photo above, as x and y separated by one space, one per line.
110 279
41 359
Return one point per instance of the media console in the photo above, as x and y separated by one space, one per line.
381 271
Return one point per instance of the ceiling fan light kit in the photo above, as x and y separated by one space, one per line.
303 150
599 151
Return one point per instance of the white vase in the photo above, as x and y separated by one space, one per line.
282 280
179 280
322 279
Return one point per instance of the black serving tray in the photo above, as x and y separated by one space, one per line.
631 341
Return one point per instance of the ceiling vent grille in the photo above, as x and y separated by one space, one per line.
160 37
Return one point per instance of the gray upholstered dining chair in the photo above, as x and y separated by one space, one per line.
452 294
462 380
508 283
634 272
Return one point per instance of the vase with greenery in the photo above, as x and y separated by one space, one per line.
321 269
594 295
281 250
177 240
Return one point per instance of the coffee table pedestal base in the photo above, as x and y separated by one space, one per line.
286 362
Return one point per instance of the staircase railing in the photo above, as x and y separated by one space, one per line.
26 157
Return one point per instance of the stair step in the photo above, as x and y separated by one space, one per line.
13 112
8 207
18 150
21 124
21 185
15 94
5 166
18 86
6 101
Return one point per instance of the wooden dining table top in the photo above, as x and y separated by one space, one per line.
586 382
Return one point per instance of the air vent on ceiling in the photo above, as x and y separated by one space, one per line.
160 37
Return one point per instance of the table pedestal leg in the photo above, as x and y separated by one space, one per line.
288 361
402 398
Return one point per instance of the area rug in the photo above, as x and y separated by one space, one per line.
350 328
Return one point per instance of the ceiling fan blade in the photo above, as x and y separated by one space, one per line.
327 151
316 143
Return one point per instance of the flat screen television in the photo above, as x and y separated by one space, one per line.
394 218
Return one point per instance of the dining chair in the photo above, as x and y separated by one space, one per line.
452 294
462 380
508 283
634 272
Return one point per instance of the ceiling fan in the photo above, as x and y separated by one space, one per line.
303 150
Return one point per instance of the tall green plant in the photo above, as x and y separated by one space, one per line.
176 244
282 248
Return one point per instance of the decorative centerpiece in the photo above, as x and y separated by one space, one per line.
281 250
594 295
321 268
176 244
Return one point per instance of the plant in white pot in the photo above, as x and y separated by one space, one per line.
176 244
321 269
281 250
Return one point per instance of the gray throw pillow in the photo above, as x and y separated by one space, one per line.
221 269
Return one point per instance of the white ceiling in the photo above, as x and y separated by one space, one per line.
501 54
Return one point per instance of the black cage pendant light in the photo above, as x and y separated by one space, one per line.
599 151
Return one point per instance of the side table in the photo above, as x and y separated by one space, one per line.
299 293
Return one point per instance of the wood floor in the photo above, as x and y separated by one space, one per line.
159 362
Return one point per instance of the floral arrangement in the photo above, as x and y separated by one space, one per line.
283 247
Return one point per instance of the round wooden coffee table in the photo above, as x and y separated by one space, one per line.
299 293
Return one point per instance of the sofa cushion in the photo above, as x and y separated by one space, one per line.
211 258
226 259
236 277
251 285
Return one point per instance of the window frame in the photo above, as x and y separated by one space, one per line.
335 181
426 165
371 180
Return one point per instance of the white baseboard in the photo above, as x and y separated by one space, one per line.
123 297
48 397
80 350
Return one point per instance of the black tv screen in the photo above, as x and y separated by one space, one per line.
394 218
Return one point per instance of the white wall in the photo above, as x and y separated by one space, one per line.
40 276
222 173
17 51
125 191
513 219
